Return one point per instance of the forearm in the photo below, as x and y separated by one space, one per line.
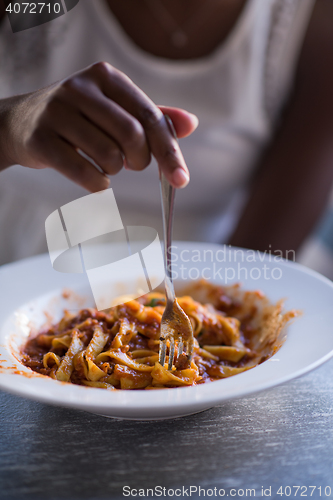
6 122
291 190
13 114
296 172
16 118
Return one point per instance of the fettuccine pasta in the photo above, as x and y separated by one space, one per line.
118 348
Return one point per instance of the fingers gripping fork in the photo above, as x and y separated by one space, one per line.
176 328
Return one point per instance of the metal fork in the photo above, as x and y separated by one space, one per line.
175 324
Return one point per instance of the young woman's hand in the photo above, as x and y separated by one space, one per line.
101 112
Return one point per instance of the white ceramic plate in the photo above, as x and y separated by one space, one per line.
30 287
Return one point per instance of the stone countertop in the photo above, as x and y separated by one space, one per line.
280 437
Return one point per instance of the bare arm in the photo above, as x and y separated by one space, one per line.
99 111
296 172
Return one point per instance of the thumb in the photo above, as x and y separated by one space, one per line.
184 122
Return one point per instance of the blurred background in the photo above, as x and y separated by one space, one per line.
254 72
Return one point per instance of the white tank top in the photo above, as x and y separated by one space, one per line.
237 93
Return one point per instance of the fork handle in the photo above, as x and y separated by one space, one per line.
168 198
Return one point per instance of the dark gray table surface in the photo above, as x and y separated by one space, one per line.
281 437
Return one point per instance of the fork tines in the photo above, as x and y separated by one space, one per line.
172 348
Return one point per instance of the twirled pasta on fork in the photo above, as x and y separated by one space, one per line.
118 348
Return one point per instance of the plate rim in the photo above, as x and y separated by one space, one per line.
206 398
